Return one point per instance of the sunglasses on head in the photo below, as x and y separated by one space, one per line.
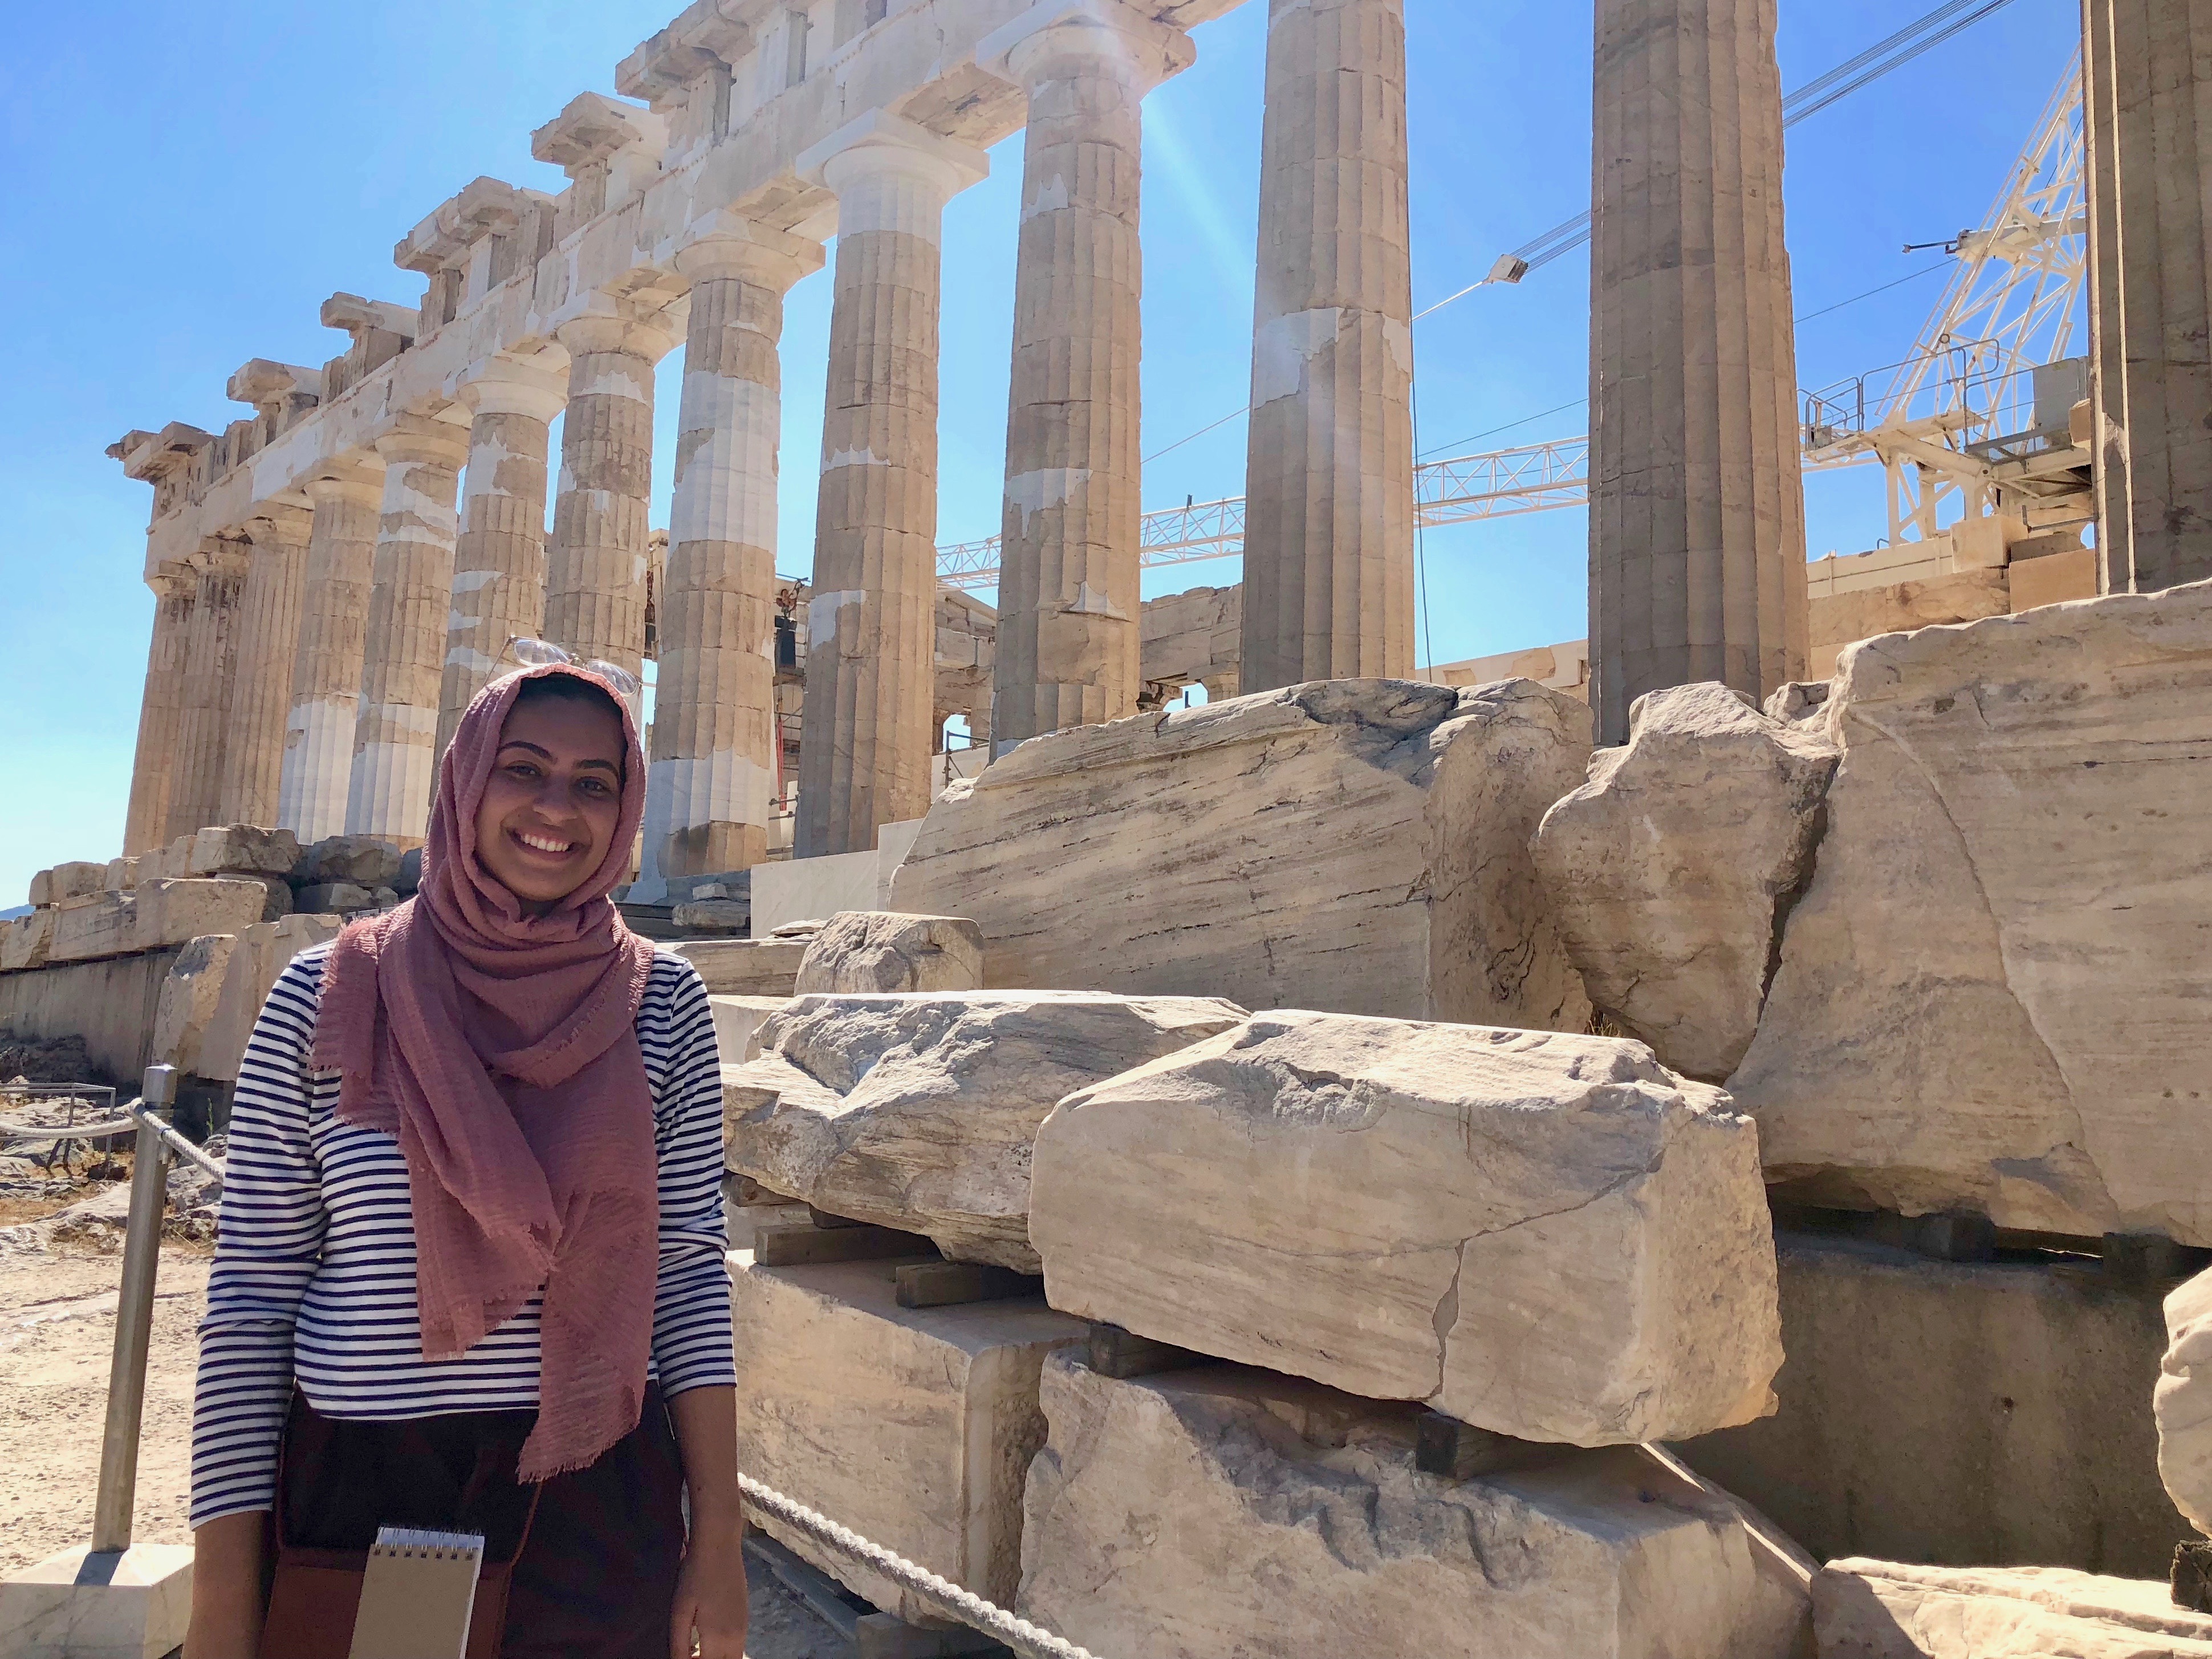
540 654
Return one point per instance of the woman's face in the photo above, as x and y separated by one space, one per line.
553 799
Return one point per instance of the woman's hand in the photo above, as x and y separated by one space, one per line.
227 1588
710 1592
711 1602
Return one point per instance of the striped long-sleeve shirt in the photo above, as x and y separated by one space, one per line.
315 1275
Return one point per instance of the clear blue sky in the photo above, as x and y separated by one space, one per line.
183 193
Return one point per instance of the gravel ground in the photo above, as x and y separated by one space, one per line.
57 1333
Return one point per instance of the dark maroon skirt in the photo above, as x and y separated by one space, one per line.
596 1575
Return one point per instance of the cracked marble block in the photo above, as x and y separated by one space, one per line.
1547 1236
2182 1402
1360 845
1991 997
918 1111
1228 1511
1671 869
1865 1609
881 951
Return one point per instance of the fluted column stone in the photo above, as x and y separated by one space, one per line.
1696 500
326 673
870 666
209 678
499 559
153 770
268 648
403 650
1069 575
1328 543
711 782
595 564
2148 123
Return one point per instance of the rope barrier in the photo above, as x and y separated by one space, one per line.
947 1597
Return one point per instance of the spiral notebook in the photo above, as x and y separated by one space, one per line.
416 1594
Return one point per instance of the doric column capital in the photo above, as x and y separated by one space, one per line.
357 478
280 522
614 329
226 555
1055 38
880 143
424 438
725 244
536 387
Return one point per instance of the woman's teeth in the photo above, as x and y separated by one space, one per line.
543 843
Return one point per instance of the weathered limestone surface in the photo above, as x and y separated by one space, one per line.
1671 869
411 592
1697 517
1360 845
746 966
1936 1411
863 950
1228 1511
154 915
1991 996
326 673
1865 1609
1329 574
1550 1237
2184 1401
864 759
268 651
914 1427
712 778
228 849
364 861
216 986
111 1003
2148 85
75 879
919 1112
204 721
26 940
1070 589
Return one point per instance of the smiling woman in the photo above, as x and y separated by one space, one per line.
554 797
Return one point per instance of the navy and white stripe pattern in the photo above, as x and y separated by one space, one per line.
315 1275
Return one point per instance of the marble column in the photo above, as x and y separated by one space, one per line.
2148 85
326 672
403 651
1070 577
1696 503
871 665
711 783
1328 543
176 589
499 560
268 646
595 564
209 678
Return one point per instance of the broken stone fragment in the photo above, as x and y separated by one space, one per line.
2182 1402
1865 1609
1199 1513
1991 996
67 881
1551 1236
26 940
341 898
1355 845
865 951
236 849
918 1112
713 916
1670 869
356 860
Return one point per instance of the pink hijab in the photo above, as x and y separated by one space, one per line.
502 1049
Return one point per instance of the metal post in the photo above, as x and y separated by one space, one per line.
134 1325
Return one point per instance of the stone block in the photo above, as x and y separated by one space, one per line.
863 950
359 860
712 915
25 941
737 1021
263 952
238 849
918 1112
1226 1511
1943 1412
2053 578
337 898
914 1427
77 1605
177 912
1865 1609
106 925
2182 1402
122 875
1550 1237
789 891
1991 996
746 966
1360 845
67 881
189 997
1670 870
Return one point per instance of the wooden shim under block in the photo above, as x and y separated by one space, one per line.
799 1244
823 1219
947 1283
1122 1355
